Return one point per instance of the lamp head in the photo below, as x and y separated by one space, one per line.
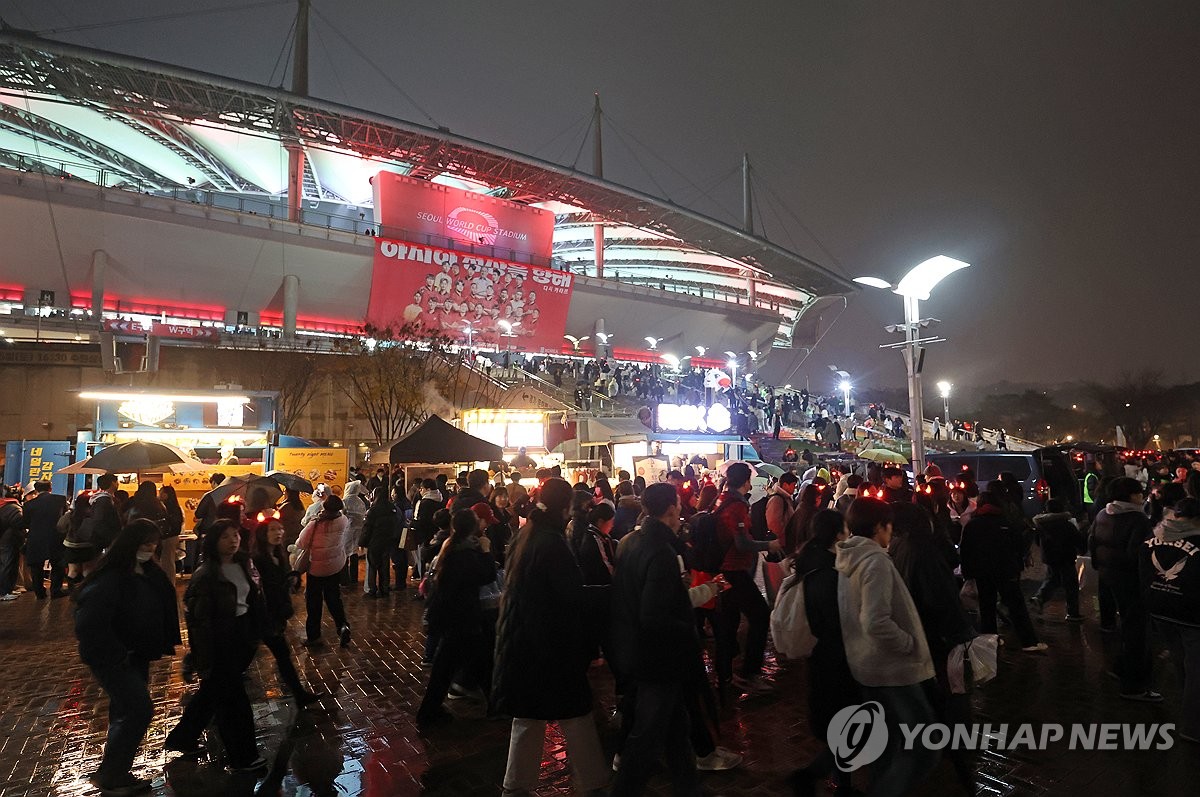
874 282
923 277
845 386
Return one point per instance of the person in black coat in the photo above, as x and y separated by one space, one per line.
125 617
277 581
831 687
542 652
45 544
454 613
1061 542
225 615
655 647
12 540
380 534
991 553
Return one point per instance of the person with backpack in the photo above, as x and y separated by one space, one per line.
1061 542
831 686
736 552
1170 577
770 515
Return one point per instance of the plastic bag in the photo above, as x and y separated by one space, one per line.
969 595
982 652
790 630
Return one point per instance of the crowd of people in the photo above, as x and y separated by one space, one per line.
528 588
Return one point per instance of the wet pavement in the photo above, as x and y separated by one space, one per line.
361 740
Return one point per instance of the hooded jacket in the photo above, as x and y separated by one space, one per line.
989 547
1117 535
1061 539
1170 571
885 643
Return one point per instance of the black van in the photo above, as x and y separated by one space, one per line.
1044 473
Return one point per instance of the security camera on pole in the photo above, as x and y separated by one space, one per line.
914 287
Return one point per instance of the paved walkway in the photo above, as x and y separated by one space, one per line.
362 740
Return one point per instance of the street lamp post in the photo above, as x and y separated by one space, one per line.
944 389
470 336
914 286
846 396
733 372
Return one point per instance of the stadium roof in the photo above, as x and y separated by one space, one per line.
165 127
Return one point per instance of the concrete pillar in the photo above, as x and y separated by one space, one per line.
291 301
752 289
295 186
99 267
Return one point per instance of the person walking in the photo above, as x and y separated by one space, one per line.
885 643
324 541
12 540
991 554
126 617
1061 542
380 533
1172 591
172 525
225 613
542 654
43 513
1116 539
276 578
454 613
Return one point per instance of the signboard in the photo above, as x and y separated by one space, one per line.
319 465
36 461
404 205
653 469
471 298
83 356
190 487
177 331
693 418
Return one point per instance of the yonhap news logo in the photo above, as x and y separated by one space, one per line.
858 735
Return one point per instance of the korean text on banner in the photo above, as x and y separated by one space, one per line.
470 298
404 206
319 465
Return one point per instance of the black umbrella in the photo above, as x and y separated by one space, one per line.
290 481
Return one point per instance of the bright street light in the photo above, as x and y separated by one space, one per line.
733 370
671 360
508 327
700 350
913 287
944 389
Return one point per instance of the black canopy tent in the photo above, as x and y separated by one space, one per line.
436 442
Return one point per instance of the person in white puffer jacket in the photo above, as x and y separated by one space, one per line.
324 540
885 642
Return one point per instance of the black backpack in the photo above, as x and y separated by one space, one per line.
758 518
707 550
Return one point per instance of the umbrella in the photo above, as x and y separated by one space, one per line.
243 485
883 455
754 469
140 456
290 481
767 469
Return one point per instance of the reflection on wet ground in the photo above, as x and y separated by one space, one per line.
361 740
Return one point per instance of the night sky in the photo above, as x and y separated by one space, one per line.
1055 146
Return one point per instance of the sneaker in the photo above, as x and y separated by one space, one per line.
1074 618
616 762
1038 648
752 686
257 765
1148 696
344 636
12 596
718 760
456 692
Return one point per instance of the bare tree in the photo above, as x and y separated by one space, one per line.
1139 403
402 376
296 377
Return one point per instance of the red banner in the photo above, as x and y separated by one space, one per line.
404 204
505 304
179 331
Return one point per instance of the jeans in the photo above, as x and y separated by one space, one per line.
316 589
282 652
528 740
1184 643
898 770
1063 575
129 713
379 573
1009 591
660 726
457 649
741 598
222 695
37 575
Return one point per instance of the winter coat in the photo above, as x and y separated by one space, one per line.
597 555
1170 572
930 582
324 539
990 548
653 627
461 571
542 652
1060 538
885 642
380 531
275 579
41 518
120 615
211 611
1116 539
629 509
831 684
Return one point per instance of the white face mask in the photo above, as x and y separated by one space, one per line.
145 556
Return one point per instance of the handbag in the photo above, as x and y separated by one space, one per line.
968 596
794 638
300 559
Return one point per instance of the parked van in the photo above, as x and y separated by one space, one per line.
1044 473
